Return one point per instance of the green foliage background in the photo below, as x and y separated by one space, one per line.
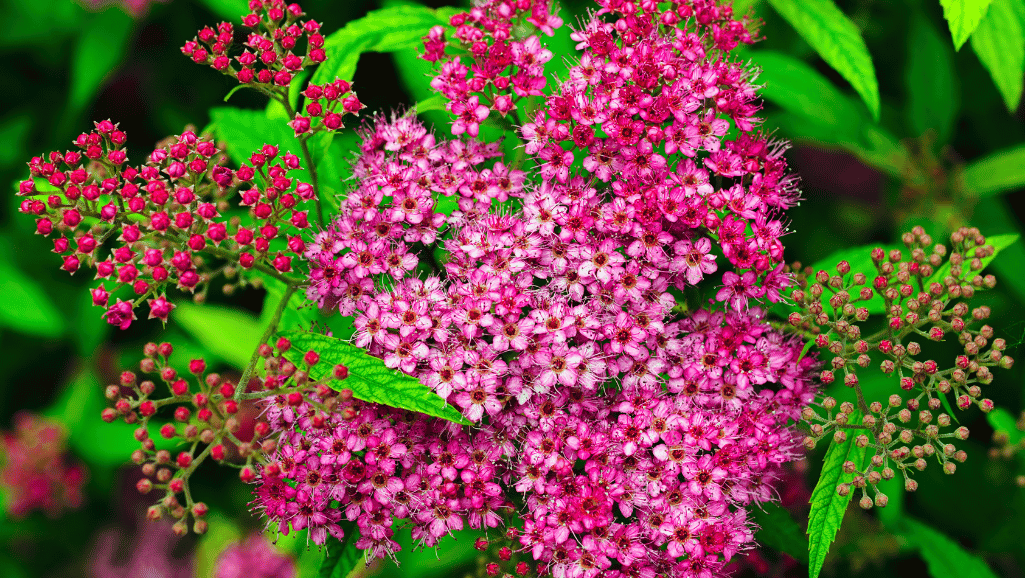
902 113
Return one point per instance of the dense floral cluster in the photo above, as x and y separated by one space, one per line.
168 219
923 293
269 59
35 473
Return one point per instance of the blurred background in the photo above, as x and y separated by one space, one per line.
65 64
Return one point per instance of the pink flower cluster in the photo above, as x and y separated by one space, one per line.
269 57
503 70
254 557
162 215
35 473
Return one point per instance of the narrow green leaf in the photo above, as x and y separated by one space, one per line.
827 506
231 334
994 215
436 102
999 243
779 530
931 81
963 16
944 557
230 10
798 88
386 30
997 173
100 47
837 40
999 42
25 306
369 379
342 556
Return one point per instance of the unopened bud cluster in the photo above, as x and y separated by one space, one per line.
204 418
164 223
924 293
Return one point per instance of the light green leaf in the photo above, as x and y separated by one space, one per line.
1001 420
827 506
931 81
100 47
963 16
246 131
779 530
999 243
230 10
994 215
386 30
222 533
944 557
342 556
231 334
436 102
800 89
25 306
997 173
999 42
369 379
860 259
837 40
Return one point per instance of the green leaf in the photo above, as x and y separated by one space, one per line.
994 215
1001 420
827 506
997 173
231 334
100 47
963 16
779 530
944 557
25 306
837 40
342 556
436 102
298 314
931 81
800 89
999 42
369 379
860 259
230 10
999 243
246 131
386 30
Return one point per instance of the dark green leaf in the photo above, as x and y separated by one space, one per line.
386 30
999 42
827 506
25 306
369 379
100 47
963 16
837 40
779 530
231 334
994 215
931 81
342 556
997 173
944 557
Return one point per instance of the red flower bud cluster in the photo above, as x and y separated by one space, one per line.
924 297
325 107
165 218
205 421
270 58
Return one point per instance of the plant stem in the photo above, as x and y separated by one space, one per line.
271 328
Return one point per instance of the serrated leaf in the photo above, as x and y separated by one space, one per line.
231 334
999 42
369 379
931 81
827 506
999 243
837 40
386 30
944 557
963 16
100 47
1000 172
779 530
342 556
